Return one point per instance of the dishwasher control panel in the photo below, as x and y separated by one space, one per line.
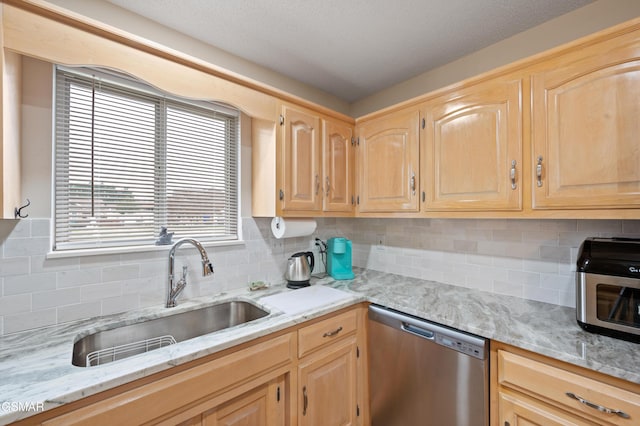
461 346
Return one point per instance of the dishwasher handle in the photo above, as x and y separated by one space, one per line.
418 331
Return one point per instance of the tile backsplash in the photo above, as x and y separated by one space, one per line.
533 259
38 292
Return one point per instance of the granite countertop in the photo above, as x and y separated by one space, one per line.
35 366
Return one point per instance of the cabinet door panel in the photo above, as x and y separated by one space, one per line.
338 163
471 141
586 128
301 170
327 387
259 407
389 163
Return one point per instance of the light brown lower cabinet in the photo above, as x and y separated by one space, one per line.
532 390
261 406
320 363
327 372
328 383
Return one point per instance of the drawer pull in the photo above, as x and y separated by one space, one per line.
332 333
598 407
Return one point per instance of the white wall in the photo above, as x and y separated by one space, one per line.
117 17
571 26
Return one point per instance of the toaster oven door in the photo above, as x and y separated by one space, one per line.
609 302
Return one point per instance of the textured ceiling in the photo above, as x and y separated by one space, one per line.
350 48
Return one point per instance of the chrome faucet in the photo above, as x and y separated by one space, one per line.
176 288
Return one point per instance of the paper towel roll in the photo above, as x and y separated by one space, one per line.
287 228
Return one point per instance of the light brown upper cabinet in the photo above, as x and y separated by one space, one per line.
338 163
471 148
586 127
388 162
316 165
300 147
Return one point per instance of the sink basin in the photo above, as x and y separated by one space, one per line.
122 342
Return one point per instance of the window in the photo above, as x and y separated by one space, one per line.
130 159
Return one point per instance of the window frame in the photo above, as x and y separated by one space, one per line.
130 84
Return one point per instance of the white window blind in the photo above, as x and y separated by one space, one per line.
130 159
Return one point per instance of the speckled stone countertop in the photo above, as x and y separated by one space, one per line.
35 366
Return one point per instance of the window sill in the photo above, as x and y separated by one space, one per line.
132 249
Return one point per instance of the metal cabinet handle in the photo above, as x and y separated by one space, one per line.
332 333
539 171
413 183
317 184
513 174
328 186
305 401
600 408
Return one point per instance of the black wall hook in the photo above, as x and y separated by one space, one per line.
17 213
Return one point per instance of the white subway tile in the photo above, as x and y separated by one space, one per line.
555 281
526 278
508 263
55 298
540 266
558 254
508 288
79 311
600 227
40 228
21 229
26 247
568 298
40 263
29 320
20 284
120 272
100 291
14 266
114 305
541 295
102 260
80 277
16 304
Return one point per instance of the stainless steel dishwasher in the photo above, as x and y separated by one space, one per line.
422 373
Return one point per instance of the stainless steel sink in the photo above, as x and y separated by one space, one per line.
122 342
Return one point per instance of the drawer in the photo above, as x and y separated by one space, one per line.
325 332
552 384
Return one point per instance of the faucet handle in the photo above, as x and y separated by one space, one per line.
207 268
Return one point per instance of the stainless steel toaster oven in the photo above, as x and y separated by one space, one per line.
608 287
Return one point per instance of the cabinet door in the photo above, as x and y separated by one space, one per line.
301 164
518 410
327 386
586 132
389 163
262 406
472 149
338 166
